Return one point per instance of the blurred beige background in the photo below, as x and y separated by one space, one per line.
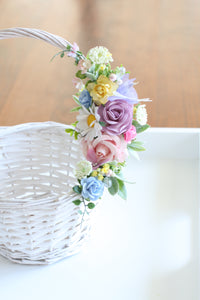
158 41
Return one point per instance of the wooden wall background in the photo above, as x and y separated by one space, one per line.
157 40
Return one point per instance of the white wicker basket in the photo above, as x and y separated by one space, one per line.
39 224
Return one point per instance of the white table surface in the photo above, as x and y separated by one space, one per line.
145 248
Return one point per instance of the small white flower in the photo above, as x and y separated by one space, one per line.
141 115
84 65
119 81
113 77
88 122
78 83
120 72
100 55
83 169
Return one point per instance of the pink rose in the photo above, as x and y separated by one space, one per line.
105 149
130 134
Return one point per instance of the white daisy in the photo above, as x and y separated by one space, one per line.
88 122
141 115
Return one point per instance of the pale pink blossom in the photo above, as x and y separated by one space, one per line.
84 65
73 51
113 77
105 149
109 173
77 82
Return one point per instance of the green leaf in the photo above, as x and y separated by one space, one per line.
140 128
135 123
76 108
80 75
120 176
89 81
76 60
136 146
122 189
134 153
62 54
74 124
77 189
96 67
143 128
103 124
121 164
91 205
79 53
113 164
87 199
77 202
113 189
76 135
90 76
69 130
76 99
59 53
80 212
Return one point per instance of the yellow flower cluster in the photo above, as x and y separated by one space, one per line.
101 90
105 169
100 172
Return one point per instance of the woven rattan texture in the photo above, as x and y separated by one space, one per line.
39 224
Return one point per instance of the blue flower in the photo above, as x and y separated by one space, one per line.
85 99
92 188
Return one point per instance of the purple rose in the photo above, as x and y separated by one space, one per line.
117 116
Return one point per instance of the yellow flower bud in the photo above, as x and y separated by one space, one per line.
134 110
105 168
94 174
100 177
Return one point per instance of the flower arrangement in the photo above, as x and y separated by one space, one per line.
110 116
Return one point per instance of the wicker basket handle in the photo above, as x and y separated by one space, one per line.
50 38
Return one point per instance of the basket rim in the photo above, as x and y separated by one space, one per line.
5 130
